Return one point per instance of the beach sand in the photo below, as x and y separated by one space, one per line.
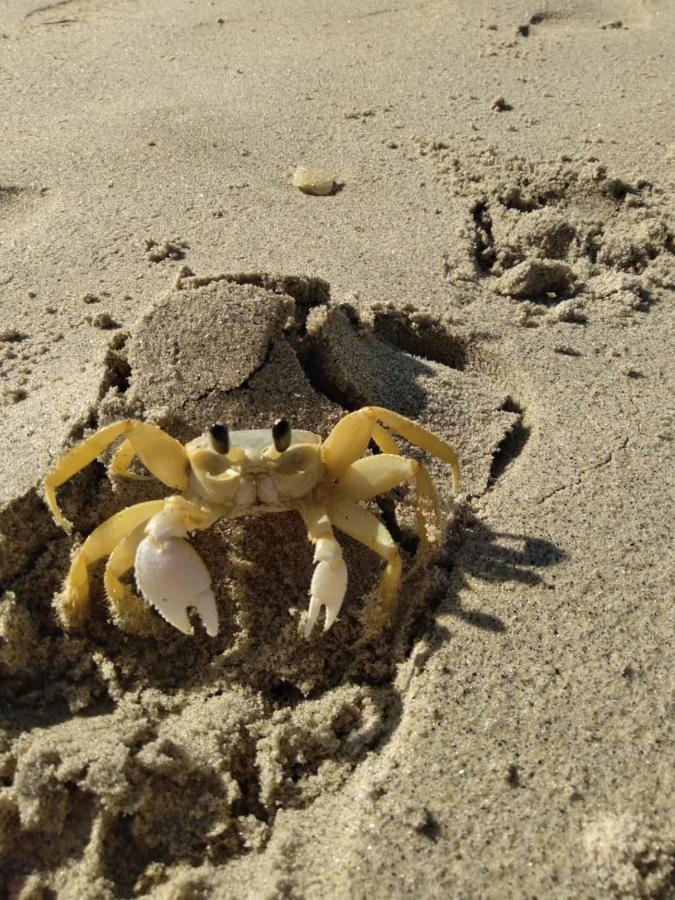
496 261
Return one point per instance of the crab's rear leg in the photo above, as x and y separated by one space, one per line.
350 437
420 437
161 454
72 603
366 528
329 582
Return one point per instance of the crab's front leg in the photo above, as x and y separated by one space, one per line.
170 573
72 603
329 582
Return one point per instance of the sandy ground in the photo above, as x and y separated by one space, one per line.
497 264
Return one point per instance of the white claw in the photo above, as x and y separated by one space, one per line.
329 584
172 577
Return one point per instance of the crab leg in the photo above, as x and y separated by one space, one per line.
384 440
364 527
420 437
329 582
73 602
427 502
125 604
349 438
122 459
373 475
347 442
162 455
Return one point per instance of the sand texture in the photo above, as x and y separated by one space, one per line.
495 259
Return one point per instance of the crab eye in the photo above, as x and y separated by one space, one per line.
220 437
281 435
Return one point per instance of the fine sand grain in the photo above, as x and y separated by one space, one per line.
495 259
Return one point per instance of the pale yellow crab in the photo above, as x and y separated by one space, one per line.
222 474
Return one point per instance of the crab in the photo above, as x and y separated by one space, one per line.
223 474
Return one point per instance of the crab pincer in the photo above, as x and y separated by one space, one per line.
172 576
329 584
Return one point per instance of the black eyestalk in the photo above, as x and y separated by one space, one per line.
220 437
281 435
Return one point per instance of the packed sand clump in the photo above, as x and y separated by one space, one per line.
547 232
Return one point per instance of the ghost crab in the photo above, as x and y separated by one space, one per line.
225 474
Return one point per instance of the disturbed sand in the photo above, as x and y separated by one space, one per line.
496 262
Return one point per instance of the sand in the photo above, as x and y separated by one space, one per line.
495 261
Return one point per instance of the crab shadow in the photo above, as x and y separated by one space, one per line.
495 557
472 552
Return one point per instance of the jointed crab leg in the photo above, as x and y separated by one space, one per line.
420 437
384 440
427 502
125 603
373 475
349 438
160 453
329 582
364 527
122 459
73 601
347 441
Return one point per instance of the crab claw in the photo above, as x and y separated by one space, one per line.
172 577
329 584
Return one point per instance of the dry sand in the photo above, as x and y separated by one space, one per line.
496 262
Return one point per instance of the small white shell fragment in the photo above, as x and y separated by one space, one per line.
313 181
